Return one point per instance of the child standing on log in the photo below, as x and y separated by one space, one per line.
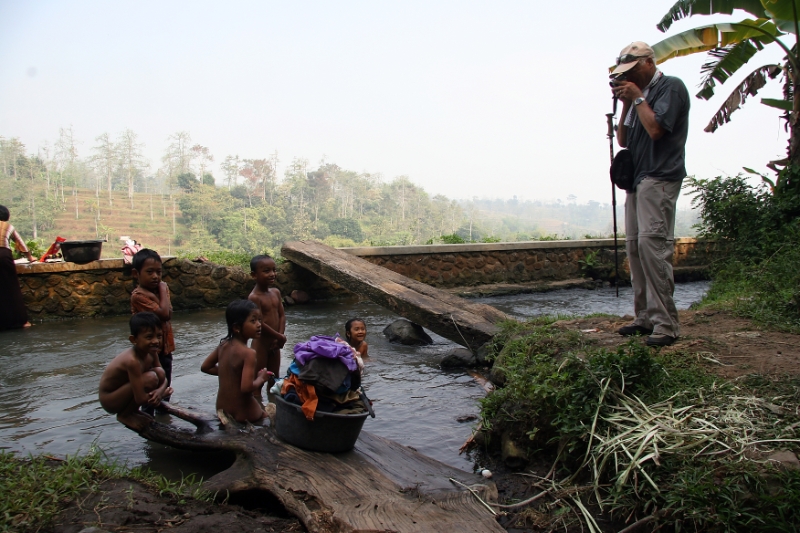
151 294
135 378
355 330
235 364
273 319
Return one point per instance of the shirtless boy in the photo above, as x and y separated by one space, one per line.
235 364
152 294
273 320
135 377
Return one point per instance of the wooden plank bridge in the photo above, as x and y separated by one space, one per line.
461 321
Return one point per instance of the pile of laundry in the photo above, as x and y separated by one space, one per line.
325 376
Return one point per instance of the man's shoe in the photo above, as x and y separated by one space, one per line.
660 340
633 329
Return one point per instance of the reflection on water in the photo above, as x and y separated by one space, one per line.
49 375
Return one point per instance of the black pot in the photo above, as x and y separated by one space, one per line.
81 252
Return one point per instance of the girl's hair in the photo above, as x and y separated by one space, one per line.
4 214
236 314
349 324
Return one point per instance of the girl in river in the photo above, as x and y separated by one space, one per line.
355 330
13 314
235 364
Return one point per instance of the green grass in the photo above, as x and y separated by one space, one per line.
768 292
35 489
650 433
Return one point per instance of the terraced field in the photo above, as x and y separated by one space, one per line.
153 228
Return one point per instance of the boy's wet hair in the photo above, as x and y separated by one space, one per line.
349 324
143 255
236 313
143 322
4 214
256 260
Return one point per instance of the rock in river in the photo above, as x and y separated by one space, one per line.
406 332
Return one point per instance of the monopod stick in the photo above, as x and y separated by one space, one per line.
610 120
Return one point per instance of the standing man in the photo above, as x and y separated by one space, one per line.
654 126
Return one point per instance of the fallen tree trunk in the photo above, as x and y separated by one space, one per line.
461 321
380 486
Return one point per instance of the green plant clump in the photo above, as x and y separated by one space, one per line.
645 435
227 257
758 228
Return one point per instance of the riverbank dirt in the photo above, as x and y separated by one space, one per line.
727 345
125 505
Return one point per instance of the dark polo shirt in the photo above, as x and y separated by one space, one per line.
663 159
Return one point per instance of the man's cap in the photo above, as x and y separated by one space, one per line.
630 55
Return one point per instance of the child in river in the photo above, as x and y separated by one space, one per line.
235 364
151 294
355 330
273 319
135 378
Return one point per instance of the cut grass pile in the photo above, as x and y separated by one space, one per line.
641 436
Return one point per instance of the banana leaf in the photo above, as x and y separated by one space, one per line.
713 36
784 13
687 8
748 87
726 61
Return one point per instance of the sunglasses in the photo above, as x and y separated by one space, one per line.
629 58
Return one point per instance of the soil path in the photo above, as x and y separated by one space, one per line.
729 345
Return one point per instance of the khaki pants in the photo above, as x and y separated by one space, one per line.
650 244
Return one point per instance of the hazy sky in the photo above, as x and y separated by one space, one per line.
487 99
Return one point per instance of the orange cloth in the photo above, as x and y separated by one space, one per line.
306 392
144 300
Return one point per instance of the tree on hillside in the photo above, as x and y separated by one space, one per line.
66 156
231 167
203 157
105 161
730 46
132 162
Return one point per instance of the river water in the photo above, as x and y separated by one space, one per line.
49 375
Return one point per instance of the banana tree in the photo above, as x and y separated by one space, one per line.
730 46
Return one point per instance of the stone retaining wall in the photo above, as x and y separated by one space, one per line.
465 265
101 288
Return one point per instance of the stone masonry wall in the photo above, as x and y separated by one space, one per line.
479 264
102 288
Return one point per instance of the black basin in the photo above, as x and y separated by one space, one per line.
81 252
328 432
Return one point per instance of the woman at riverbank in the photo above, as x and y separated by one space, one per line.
13 314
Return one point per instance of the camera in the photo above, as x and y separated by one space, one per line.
617 79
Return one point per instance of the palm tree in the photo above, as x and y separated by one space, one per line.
731 45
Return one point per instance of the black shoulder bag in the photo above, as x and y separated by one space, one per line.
622 170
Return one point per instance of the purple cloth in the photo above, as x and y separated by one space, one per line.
325 346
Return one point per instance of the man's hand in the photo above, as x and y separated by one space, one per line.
626 91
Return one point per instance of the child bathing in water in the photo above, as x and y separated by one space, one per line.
235 364
135 377
355 330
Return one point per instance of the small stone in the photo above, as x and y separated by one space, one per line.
459 357
300 297
786 459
